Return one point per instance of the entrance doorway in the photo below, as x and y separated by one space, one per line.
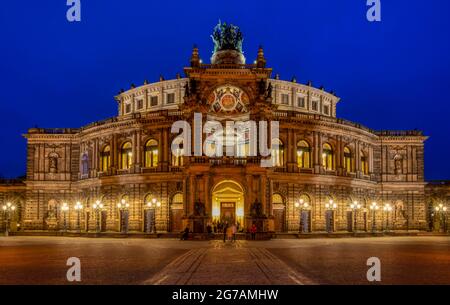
228 212
228 203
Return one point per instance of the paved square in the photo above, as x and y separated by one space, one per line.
404 260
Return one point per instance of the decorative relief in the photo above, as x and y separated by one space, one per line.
228 99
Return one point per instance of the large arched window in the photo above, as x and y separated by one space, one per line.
327 157
177 199
126 156
277 153
348 160
364 164
151 153
177 154
105 158
303 154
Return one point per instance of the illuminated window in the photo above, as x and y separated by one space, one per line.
177 155
105 158
303 154
364 164
126 156
151 153
348 160
153 101
327 157
277 153
170 98
301 102
140 104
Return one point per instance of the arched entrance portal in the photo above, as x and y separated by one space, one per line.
228 202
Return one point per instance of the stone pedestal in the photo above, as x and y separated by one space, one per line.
51 224
197 224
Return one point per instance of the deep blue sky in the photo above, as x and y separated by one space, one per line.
390 75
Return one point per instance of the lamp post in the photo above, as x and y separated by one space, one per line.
65 210
301 205
387 210
355 206
78 207
330 207
441 210
123 212
8 209
98 206
374 207
151 216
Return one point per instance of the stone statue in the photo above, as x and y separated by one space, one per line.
53 164
256 209
186 90
227 37
269 90
262 87
398 165
199 208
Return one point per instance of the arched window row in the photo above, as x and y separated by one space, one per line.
151 153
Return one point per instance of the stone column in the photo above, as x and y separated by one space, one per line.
139 150
358 158
207 197
262 194
192 189
165 165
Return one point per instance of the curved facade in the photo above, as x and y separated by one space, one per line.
126 176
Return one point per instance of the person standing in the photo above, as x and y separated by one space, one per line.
253 231
225 227
234 230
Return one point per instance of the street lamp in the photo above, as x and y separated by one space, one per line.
8 209
374 207
330 207
65 209
302 205
78 207
123 206
151 214
387 210
441 210
355 206
98 206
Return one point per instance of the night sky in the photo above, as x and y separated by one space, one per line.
394 74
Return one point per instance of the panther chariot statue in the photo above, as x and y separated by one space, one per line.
227 40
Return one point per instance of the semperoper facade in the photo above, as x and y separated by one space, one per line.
329 174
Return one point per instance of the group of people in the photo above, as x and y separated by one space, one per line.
229 230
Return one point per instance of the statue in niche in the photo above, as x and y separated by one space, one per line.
51 209
53 164
398 165
256 209
199 208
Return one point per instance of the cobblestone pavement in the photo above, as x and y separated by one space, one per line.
231 263
404 260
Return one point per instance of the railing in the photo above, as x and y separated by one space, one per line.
228 66
224 161
12 181
399 133
54 130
